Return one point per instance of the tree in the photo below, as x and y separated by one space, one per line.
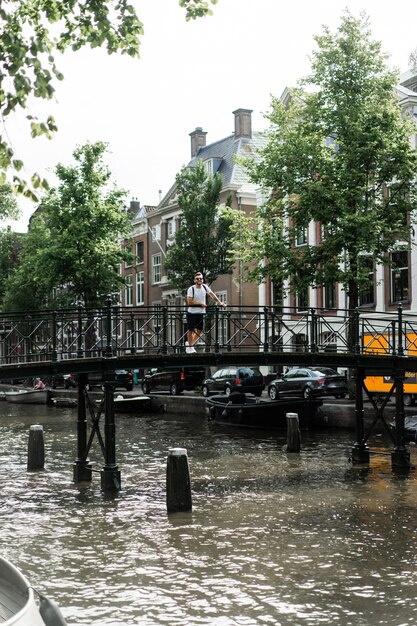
203 237
338 155
72 245
10 246
31 33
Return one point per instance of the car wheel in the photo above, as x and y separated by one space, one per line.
129 387
173 390
205 391
258 394
228 391
408 399
145 388
273 393
307 393
341 396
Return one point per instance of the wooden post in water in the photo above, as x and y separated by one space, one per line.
36 449
178 481
293 433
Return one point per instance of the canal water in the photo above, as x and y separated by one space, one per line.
273 538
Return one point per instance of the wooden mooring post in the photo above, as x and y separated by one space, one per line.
293 433
178 482
36 448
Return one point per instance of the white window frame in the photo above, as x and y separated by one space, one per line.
140 288
128 290
156 268
140 244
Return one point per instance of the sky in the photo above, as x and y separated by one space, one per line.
189 74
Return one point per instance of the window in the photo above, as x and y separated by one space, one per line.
301 236
156 268
140 288
330 295
299 342
156 232
301 299
140 252
128 290
170 228
208 166
399 276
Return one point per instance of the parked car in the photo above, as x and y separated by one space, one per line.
308 383
228 379
124 379
173 380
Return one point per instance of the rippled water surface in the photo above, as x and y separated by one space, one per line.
274 538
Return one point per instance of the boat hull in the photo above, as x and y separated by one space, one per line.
17 598
26 396
135 404
247 412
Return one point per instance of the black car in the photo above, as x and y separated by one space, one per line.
228 379
123 379
309 382
173 380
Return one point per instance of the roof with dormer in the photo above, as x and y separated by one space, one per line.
223 154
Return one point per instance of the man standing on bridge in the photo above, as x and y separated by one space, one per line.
197 304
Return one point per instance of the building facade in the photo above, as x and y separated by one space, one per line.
154 228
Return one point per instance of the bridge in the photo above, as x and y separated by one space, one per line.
79 340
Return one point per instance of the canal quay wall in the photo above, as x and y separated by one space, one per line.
332 414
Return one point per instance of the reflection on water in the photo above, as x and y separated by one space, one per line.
274 538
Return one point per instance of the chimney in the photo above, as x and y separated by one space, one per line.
198 140
243 123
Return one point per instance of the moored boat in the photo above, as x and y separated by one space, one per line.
29 396
247 412
17 601
410 427
132 404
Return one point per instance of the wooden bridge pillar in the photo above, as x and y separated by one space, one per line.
82 466
360 451
110 474
400 457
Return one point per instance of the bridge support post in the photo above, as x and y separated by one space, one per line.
82 466
360 451
400 457
110 474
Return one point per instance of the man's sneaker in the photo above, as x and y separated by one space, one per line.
192 350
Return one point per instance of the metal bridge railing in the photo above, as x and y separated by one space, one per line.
118 331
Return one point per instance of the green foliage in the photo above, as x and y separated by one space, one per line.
72 248
197 8
33 31
330 156
203 238
10 245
